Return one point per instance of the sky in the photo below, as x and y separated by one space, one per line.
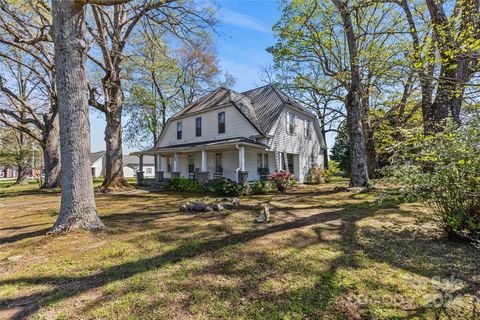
245 32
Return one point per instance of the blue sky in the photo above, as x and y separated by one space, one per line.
245 32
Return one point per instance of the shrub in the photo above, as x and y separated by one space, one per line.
333 170
283 180
226 187
183 184
262 187
316 175
443 170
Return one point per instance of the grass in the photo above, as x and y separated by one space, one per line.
326 254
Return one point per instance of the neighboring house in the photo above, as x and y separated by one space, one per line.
240 136
130 165
8 172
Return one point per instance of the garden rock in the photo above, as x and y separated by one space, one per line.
198 206
217 207
264 215
236 201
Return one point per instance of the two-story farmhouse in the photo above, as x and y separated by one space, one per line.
240 136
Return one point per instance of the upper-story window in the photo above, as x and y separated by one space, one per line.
308 128
179 131
291 122
221 122
198 127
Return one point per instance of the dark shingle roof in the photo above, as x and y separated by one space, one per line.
260 106
94 156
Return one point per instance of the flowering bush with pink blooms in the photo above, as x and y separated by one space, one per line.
283 180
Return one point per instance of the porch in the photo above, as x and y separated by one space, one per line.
240 160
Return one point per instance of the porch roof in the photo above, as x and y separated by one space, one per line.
212 144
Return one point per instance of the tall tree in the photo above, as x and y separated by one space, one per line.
77 209
348 44
111 29
443 52
26 56
16 150
353 102
166 75
458 41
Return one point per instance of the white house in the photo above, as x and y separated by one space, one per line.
131 165
240 136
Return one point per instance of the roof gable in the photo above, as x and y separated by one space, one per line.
94 156
260 106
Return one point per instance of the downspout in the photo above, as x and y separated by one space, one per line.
239 164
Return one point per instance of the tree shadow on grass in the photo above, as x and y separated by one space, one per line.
77 285
22 236
311 301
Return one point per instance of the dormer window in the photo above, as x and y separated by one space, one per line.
179 131
291 118
198 127
308 129
221 122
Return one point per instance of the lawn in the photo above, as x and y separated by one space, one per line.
326 254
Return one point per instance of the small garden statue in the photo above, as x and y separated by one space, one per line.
264 215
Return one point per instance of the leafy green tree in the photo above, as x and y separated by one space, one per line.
444 171
340 151
164 79
353 46
18 150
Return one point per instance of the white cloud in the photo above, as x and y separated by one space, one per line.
238 19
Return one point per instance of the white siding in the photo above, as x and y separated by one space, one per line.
98 166
297 144
131 171
236 125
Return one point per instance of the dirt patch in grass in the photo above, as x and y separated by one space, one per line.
326 254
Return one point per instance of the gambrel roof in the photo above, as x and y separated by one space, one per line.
261 106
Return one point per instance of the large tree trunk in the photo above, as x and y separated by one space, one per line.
358 155
114 178
51 153
353 104
372 161
77 209
22 173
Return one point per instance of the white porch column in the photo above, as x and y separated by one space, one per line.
202 176
175 162
242 174
204 161
241 158
140 171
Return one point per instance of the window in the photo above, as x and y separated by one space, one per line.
198 127
169 164
312 160
149 170
291 122
308 129
221 122
179 131
259 160
262 161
